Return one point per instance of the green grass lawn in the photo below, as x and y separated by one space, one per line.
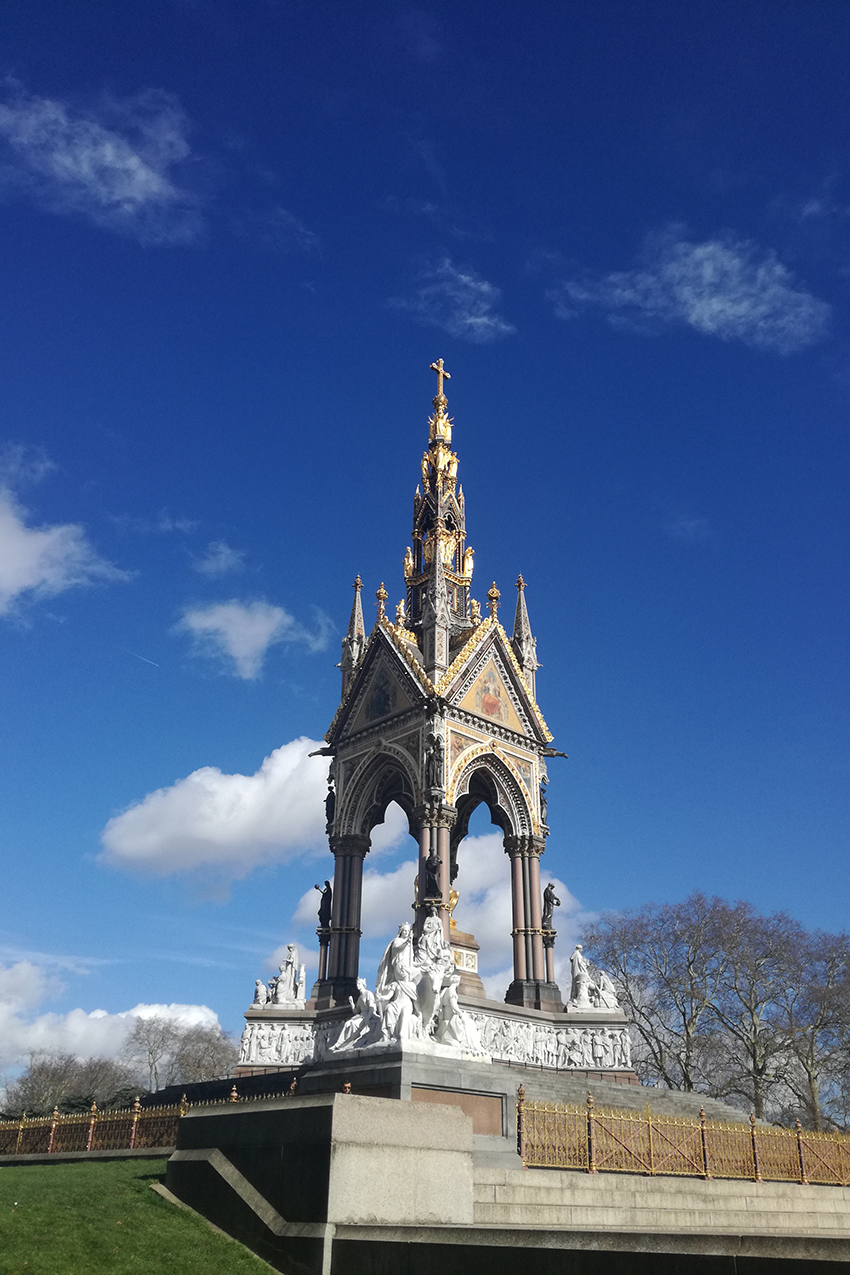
93 1217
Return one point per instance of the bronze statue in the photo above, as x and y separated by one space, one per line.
325 904
549 905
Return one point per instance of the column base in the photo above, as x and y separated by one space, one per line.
533 994
327 993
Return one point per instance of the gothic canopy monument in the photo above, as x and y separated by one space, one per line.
439 714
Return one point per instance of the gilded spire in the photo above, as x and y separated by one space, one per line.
438 567
493 596
354 642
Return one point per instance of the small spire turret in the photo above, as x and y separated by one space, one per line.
354 642
522 640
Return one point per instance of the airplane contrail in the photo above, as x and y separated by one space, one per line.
143 657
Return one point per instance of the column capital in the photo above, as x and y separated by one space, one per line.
436 815
350 843
520 845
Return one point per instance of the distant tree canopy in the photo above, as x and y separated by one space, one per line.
750 1008
158 1052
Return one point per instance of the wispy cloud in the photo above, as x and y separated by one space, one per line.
240 634
689 531
120 166
42 561
220 559
225 825
459 301
278 230
724 287
161 525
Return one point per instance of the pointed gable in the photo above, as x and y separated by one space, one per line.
485 679
388 682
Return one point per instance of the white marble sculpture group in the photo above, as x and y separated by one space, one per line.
288 987
415 999
415 1004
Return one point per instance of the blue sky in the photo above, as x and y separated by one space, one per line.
233 239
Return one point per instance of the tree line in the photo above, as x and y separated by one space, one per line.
158 1052
749 1008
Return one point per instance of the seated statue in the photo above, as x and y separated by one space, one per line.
364 1027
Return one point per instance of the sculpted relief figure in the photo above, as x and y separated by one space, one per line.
435 762
606 993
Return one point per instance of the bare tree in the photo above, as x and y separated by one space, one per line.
205 1053
151 1048
167 1052
668 962
61 1080
815 1013
762 962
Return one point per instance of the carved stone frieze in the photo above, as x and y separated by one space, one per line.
278 1043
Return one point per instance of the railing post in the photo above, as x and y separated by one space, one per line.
137 1106
53 1125
20 1136
803 1179
520 1123
234 1096
92 1119
184 1106
706 1167
591 1143
756 1170
649 1132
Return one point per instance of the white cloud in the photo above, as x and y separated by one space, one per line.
39 562
24 987
225 824
117 166
220 559
239 634
459 301
723 287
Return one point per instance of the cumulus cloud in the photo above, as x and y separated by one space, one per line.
220 559
724 287
459 301
238 634
42 561
225 825
118 166
24 986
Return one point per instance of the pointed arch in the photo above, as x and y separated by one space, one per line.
485 776
387 774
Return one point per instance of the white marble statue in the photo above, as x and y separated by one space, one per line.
284 988
582 983
364 1027
454 1025
606 993
396 989
261 992
436 965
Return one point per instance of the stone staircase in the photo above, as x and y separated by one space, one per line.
555 1199
548 1086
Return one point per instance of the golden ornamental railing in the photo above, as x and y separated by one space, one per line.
603 1140
134 1129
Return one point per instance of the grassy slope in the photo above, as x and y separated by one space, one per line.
89 1217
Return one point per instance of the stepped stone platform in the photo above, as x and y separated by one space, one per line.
338 1184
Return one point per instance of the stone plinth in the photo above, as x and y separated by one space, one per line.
465 953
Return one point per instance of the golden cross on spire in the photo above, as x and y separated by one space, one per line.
441 372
